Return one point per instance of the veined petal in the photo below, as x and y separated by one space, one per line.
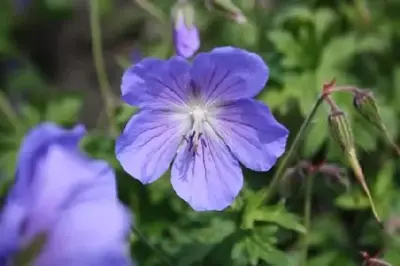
88 234
149 142
35 145
53 172
228 73
253 135
53 176
157 83
63 178
209 180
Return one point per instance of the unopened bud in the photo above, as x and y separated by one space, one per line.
341 130
228 9
365 103
186 34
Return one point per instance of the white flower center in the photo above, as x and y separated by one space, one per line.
198 116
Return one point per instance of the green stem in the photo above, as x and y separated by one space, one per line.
7 110
391 140
307 219
98 59
156 251
265 193
153 10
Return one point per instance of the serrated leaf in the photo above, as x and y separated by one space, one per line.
338 52
286 44
259 245
276 214
300 13
323 19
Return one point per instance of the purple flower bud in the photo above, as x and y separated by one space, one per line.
186 35
63 206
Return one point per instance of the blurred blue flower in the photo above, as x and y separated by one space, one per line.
67 197
186 37
203 117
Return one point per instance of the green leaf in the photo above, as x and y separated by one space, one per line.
30 115
323 19
276 214
259 245
233 34
286 44
354 200
56 5
338 52
63 111
194 253
300 13
125 113
384 180
317 133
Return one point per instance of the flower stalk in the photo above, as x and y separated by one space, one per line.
342 133
97 51
307 218
264 194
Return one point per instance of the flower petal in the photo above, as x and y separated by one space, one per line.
90 233
52 176
52 173
35 145
157 83
252 133
228 73
149 143
209 180
11 218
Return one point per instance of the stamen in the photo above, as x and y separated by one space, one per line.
194 138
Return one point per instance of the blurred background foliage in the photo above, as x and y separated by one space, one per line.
47 73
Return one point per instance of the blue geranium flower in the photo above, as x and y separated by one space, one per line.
68 198
202 117
186 37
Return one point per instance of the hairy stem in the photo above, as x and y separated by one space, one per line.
307 219
352 157
98 59
265 193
